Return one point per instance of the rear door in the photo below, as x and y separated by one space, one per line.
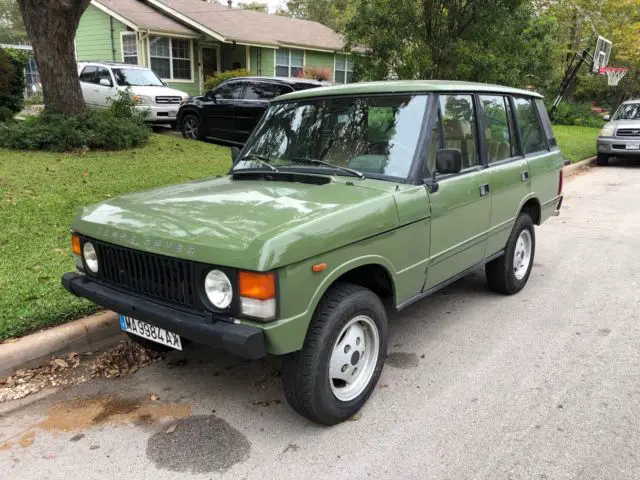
220 115
461 207
508 169
87 83
254 103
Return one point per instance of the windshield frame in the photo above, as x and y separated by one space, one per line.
413 173
133 67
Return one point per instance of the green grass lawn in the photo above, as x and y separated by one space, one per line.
39 195
577 143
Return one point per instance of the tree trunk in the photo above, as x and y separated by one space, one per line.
52 26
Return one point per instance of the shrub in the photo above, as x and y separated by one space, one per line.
37 99
576 114
212 82
115 128
12 63
316 73
124 106
5 114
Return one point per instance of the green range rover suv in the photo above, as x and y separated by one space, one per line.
344 202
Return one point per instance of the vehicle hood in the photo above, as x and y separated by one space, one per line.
616 124
157 91
251 224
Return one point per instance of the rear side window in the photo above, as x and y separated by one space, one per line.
533 137
498 132
88 75
546 122
264 90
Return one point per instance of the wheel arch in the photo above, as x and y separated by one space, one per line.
531 205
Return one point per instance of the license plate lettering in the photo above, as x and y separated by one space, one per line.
633 146
150 332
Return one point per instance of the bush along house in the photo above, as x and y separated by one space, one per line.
186 41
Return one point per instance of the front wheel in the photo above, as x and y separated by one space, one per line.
334 374
190 127
602 159
509 273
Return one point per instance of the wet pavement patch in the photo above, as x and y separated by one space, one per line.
402 360
198 444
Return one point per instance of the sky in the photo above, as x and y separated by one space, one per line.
273 4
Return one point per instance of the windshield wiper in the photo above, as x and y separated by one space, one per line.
263 161
353 172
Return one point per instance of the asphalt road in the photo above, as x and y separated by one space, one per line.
541 385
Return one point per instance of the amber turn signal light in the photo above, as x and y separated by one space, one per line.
319 267
75 244
260 286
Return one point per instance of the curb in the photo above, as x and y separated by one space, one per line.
573 167
85 334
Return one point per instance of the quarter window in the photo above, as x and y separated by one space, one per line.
530 129
170 57
130 48
344 69
289 62
88 74
497 128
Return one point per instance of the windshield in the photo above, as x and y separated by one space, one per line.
136 77
628 111
374 136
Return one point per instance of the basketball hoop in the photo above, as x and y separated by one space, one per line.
614 74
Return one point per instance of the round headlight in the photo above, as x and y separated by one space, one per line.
90 257
218 288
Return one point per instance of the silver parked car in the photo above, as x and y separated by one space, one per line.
620 136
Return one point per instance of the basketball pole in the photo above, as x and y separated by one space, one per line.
569 78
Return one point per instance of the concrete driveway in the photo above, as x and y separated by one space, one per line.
542 385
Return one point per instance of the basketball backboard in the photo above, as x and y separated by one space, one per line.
601 54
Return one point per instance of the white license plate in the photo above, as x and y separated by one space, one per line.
633 146
150 332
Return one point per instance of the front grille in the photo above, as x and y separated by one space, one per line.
628 132
165 278
168 100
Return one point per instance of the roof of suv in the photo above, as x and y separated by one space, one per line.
287 80
110 64
406 86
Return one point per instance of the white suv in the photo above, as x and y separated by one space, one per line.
101 80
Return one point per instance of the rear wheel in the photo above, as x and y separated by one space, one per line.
509 273
190 127
334 374
602 159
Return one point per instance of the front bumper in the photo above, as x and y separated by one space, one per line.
618 145
161 114
240 340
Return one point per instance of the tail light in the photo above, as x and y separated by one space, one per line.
561 181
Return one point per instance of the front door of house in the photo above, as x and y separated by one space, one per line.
210 62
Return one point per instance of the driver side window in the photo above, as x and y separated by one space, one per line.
230 91
455 127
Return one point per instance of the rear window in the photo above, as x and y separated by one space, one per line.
531 132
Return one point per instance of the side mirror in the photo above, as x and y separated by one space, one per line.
105 82
235 154
448 160
607 117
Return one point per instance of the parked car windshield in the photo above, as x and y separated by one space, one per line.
376 136
136 77
628 111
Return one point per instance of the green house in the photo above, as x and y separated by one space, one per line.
186 41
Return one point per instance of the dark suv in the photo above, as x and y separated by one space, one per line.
230 112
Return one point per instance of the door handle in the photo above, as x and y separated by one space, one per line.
484 189
524 176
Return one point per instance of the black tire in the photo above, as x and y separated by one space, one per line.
500 272
306 372
602 159
185 126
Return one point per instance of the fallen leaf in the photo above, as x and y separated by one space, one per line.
154 397
172 428
61 363
355 417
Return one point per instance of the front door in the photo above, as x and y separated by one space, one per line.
210 62
222 112
461 207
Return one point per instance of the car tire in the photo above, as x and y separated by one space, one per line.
154 346
190 127
348 332
509 273
602 159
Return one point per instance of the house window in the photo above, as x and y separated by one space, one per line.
130 48
170 57
289 62
344 69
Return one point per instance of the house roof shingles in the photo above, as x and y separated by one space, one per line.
144 16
